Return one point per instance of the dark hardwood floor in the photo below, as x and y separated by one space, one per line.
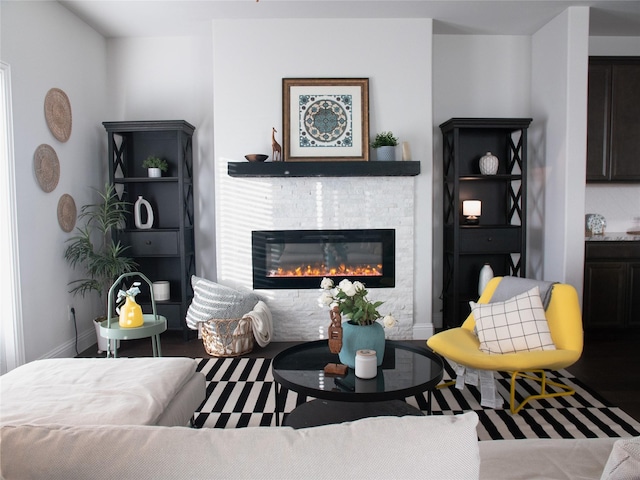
610 363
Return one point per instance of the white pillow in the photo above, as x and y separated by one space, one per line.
624 461
212 300
515 325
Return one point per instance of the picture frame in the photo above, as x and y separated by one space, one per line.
325 119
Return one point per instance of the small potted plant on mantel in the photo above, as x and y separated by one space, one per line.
155 166
385 146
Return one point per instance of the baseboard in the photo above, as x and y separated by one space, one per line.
423 331
68 349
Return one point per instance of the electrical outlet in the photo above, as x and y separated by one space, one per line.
71 313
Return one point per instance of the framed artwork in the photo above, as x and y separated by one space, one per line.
325 119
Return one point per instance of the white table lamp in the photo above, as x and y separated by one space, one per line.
471 209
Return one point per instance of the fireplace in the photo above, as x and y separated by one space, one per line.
299 259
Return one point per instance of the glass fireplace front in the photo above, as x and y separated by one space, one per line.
299 259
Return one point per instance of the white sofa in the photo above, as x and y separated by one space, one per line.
124 418
436 447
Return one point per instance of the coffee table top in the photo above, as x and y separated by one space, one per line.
405 371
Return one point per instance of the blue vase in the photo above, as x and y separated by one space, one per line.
361 337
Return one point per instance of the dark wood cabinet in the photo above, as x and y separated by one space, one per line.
167 250
611 285
499 238
613 125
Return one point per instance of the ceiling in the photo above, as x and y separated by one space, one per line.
130 18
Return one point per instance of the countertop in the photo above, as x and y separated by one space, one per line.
614 237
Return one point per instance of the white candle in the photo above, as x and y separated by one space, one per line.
406 151
366 364
161 290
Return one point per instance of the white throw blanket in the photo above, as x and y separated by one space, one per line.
262 323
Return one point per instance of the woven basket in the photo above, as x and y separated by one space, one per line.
227 337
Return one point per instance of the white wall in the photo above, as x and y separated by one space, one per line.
151 78
248 94
559 92
619 203
169 78
47 47
614 46
473 76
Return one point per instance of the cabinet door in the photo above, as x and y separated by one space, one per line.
598 122
634 294
604 294
625 122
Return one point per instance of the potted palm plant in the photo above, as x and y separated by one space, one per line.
94 248
155 166
385 145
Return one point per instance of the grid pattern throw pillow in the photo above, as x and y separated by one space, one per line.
515 325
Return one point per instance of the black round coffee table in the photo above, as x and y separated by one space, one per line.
406 370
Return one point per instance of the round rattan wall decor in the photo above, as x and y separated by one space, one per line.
46 167
57 112
67 212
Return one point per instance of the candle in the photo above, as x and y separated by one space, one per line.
161 290
366 364
406 151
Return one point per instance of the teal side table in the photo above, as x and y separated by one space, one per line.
152 327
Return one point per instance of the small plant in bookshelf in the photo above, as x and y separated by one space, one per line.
155 165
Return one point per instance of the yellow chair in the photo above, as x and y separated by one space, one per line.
461 345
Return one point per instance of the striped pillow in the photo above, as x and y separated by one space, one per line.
212 300
515 325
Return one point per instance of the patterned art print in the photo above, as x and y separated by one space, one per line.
325 121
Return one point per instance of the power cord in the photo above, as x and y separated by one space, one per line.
75 326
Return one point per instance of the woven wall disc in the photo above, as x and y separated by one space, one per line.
57 112
46 167
67 212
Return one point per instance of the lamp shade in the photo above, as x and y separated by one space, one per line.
471 208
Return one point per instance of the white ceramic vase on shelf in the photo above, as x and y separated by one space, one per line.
489 164
486 274
137 213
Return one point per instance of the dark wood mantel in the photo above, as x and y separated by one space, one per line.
324 169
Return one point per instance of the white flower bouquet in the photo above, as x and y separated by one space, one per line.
351 299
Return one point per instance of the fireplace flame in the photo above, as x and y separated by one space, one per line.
323 271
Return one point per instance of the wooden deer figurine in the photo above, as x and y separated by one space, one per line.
275 146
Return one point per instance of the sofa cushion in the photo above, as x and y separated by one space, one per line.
89 391
515 325
544 458
624 461
438 447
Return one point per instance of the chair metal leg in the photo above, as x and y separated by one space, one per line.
544 381
450 383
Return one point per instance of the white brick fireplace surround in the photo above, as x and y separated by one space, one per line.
308 203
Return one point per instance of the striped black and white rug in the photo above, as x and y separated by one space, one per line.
240 393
